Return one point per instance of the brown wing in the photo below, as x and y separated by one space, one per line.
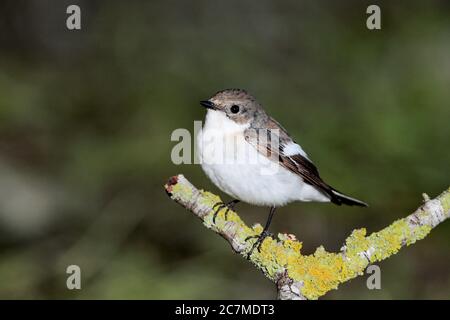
297 164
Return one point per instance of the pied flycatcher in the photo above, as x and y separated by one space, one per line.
252 158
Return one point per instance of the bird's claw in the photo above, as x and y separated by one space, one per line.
221 205
259 241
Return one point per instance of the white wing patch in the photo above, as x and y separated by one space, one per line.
291 149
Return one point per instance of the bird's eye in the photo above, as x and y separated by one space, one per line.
234 108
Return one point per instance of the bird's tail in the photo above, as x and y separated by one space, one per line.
339 198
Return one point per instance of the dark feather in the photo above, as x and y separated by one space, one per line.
297 164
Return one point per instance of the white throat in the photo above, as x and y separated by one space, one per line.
217 120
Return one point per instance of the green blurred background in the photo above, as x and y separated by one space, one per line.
86 118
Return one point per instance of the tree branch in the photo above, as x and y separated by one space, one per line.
299 276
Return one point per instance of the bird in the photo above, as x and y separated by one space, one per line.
249 156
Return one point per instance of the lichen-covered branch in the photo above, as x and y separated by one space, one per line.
299 276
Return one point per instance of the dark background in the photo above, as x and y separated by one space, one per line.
86 118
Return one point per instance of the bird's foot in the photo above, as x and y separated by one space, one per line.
221 205
259 241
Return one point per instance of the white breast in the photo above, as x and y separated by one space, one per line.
239 170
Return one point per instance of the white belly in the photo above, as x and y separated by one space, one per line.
245 174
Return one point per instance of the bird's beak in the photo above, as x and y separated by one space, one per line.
208 104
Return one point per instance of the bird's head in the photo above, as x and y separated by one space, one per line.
237 104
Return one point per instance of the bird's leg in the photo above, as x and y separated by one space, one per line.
265 233
220 205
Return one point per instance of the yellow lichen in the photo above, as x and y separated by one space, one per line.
324 271
182 191
321 271
293 245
